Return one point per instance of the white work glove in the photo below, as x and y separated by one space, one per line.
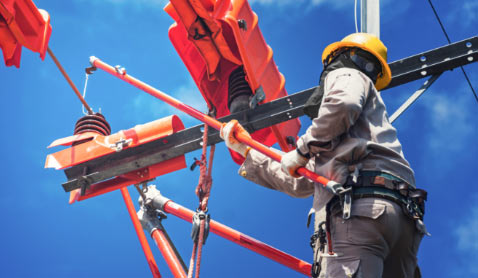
229 132
291 161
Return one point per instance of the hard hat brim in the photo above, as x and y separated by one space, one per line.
386 76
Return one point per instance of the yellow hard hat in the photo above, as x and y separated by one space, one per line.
369 43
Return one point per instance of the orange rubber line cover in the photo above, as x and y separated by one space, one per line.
68 141
239 46
103 145
22 24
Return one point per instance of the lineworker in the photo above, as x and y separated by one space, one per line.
375 224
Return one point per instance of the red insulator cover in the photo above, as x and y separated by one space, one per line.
213 38
22 24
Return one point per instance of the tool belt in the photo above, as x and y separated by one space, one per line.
369 184
386 186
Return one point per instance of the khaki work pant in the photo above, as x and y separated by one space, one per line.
378 240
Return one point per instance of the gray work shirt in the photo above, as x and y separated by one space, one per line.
351 130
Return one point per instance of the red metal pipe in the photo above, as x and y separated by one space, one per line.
139 231
121 74
168 253
243 240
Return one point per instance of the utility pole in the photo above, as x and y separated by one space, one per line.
370 17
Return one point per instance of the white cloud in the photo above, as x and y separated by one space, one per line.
465 14
150 108
466 233
276 2
389 9
451 120
137 4
332 3
467 242
303 3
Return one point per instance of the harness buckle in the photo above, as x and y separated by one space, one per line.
347 204
336 188
346 196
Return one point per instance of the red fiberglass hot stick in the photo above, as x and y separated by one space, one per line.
121 74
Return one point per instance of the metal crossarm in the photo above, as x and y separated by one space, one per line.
434 61
182 142
130 159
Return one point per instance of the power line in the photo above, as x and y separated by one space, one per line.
355 15
449 42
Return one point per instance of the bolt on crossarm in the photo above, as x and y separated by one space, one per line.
121 74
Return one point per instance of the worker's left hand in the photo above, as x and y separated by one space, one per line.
292 161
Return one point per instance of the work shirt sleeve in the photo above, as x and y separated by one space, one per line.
345 93
264 171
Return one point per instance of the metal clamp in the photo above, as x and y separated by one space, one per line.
120 70
336 188
84 181
149 219
345 196
120 144
197 217
195 164
257 98
90 70
242 24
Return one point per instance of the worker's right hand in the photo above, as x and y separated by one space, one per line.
229 132
292 161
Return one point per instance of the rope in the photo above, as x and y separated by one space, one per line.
191 262
200 243
203 191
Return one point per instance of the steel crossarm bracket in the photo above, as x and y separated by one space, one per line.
413 97
130 159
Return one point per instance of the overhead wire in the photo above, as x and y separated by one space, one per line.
449 42
84 94
355 15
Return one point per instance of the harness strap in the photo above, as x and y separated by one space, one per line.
411 206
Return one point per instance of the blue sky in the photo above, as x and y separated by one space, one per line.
42 236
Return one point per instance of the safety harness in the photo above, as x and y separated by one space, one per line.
367 184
